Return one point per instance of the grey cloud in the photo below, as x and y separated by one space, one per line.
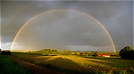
72 29
109 13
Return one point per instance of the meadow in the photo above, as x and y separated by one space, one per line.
9 67
78 64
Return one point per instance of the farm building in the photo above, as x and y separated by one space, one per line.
103 55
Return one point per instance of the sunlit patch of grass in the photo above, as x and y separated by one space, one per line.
85 63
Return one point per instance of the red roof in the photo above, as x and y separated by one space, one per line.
103 54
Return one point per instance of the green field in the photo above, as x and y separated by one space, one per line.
9 67
117 62
78 64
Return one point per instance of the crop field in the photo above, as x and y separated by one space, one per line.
78 64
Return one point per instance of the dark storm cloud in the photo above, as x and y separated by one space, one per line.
109 13
64 29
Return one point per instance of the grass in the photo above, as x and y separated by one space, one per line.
117 62
77 64
9 67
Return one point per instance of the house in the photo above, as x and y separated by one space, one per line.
106 55
103 55
100 55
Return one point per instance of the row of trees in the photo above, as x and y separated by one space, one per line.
51 50
78 53
5 52
127 53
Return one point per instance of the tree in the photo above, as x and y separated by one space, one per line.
94 53
127 53
6 52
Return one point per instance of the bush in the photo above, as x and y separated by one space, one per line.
123 72
127 53
6 52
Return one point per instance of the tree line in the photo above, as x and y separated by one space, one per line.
78 53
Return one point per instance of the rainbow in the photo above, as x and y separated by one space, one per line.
8 24
58 10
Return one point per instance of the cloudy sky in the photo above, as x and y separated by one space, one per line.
72 25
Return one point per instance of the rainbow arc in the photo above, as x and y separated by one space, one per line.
63 10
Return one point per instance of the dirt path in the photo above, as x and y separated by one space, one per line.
31 67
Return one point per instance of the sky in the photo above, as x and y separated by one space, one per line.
66 25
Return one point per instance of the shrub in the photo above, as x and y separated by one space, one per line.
127 53
6 52
123 72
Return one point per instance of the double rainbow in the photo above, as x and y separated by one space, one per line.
59 10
